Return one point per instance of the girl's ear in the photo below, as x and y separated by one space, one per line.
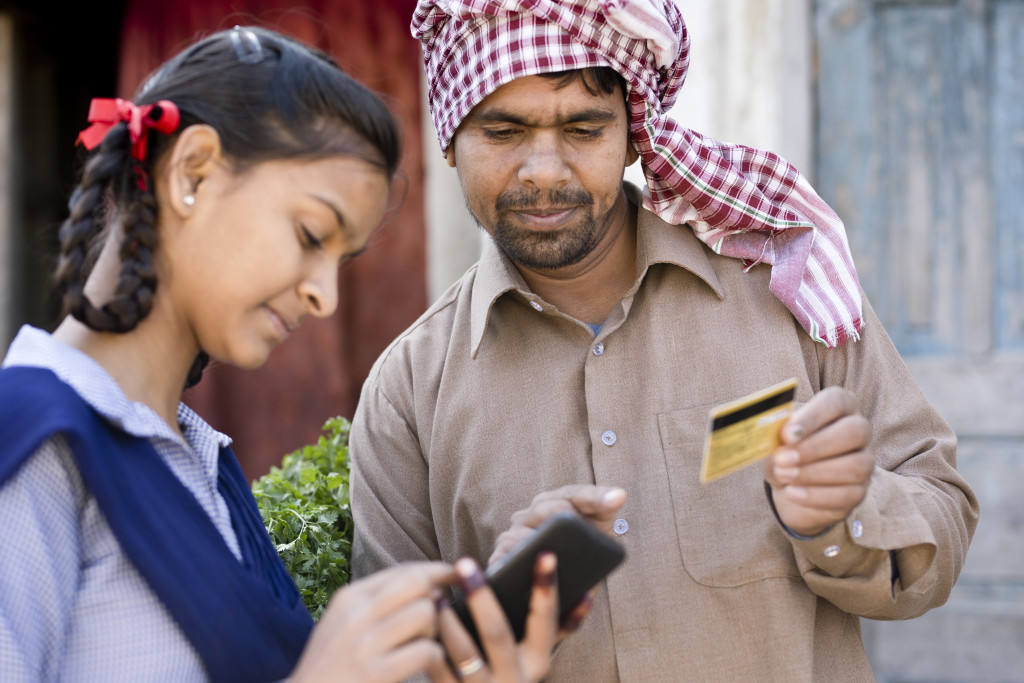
196 155
450 154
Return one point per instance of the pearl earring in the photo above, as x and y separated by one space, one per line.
189 200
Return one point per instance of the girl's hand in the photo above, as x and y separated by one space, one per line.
507 661
381 628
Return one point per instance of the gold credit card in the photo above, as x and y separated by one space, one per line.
745 430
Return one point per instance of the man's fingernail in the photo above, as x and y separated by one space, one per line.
614 496
571 623
585 605
786 457
575 618
796 431
798 493
787 474
469 574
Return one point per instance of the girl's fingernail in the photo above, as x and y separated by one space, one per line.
544 575
440 602
470 576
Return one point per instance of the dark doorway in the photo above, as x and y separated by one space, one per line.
61 58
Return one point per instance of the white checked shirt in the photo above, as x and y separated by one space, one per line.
72 605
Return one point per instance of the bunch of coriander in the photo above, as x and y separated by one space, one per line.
305 507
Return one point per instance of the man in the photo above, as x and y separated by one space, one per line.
575 365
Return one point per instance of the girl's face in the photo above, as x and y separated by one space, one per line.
261 251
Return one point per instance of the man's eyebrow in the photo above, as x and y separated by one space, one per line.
595 115
591 115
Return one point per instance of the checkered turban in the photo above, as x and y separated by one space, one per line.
742 202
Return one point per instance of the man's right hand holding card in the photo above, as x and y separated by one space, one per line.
822 470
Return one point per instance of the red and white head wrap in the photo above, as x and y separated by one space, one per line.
742 202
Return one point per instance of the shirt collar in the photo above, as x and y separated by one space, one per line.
36 348
657 242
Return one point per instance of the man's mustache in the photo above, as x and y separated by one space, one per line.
520 201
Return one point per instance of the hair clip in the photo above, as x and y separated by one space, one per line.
247 45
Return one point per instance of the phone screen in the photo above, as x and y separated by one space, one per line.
585 557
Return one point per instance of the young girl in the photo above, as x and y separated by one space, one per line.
210 221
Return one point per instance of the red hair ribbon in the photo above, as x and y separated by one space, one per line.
105 113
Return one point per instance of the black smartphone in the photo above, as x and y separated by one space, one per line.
585 557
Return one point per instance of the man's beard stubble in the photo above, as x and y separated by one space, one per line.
545 250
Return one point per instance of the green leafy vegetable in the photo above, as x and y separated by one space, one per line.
305 507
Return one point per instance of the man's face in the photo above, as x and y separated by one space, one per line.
541 169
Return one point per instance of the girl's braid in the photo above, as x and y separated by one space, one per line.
110 170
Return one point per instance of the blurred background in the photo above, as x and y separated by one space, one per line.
907 115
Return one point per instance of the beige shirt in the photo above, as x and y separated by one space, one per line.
494 396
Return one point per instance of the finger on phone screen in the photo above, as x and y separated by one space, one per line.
542 619
491 624
463 653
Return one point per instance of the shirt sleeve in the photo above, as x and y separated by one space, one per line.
899 553
39 565
388 465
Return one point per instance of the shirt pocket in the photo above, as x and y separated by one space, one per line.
727 532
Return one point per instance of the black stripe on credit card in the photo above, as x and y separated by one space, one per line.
761 406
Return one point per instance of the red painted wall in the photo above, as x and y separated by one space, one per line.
318 373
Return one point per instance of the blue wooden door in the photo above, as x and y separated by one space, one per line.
920 148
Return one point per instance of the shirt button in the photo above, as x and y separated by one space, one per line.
598 349
537 306
857 528
621 526
608 438
831 551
